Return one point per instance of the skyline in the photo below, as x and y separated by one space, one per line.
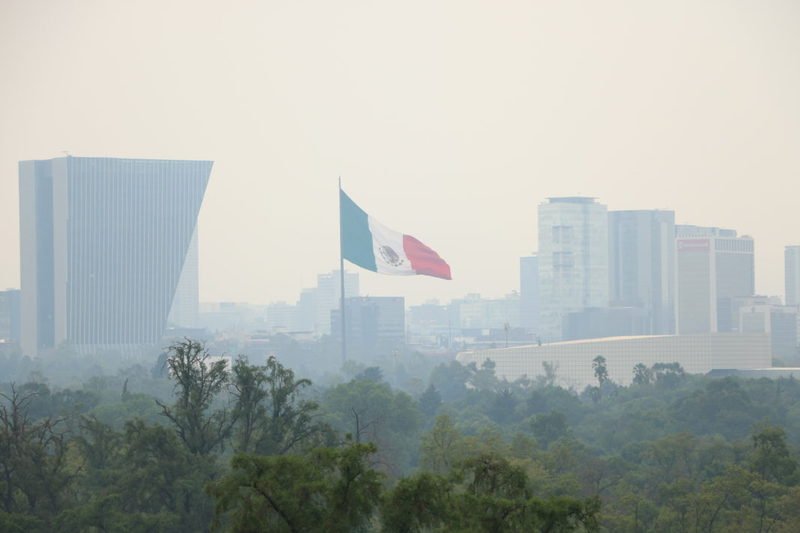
483 112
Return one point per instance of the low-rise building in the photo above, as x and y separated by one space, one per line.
697 354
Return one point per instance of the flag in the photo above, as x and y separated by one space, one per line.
371 245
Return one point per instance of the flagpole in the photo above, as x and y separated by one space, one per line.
341 277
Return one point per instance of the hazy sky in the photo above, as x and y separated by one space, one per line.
448 120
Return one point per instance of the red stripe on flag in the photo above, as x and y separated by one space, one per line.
424 260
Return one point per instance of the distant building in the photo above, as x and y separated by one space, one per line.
10 315
779 321
572 260
474 312
328 297
714 266
792 275
529 293
697 354
602 322
281 317
306 311
103 245
642 265
375 326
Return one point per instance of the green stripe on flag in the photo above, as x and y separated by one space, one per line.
356 237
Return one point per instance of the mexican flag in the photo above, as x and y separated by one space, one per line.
371 245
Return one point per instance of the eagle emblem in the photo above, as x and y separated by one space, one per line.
390 256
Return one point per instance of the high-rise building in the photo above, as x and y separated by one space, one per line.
375 326
642 265
714 267
529 293
760 314
573 260
328 297
103 244
186 303
792 275
9 315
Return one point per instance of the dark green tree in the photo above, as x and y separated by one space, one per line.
199 379
600 370
273 418
642 375
331 489
430 401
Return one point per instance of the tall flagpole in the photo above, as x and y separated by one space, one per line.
341 276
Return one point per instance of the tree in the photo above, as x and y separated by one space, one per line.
419 503
198 381
143 479
272 417
771 458
331 489
549 428
33 460
430 401
600 370
442 446
249 391
642 375
668 374
373 412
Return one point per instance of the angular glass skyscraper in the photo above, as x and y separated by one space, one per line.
103 245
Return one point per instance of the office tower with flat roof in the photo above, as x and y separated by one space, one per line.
103 244
375 326
573 260
642 266
792 275
529 293
714 267
328 297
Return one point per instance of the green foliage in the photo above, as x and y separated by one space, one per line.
430 401
272 417
372 412
548 428
198 380
33 462
673 452
331 489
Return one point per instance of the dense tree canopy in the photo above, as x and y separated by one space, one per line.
203 444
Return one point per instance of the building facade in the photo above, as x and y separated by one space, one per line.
375 326
10 316
103 244
529 293
642 265
792 274
714 267
328 295
572 260
697 354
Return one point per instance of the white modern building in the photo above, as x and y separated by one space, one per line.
572 260
697 354
714 267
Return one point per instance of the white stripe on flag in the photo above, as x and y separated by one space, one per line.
387 245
